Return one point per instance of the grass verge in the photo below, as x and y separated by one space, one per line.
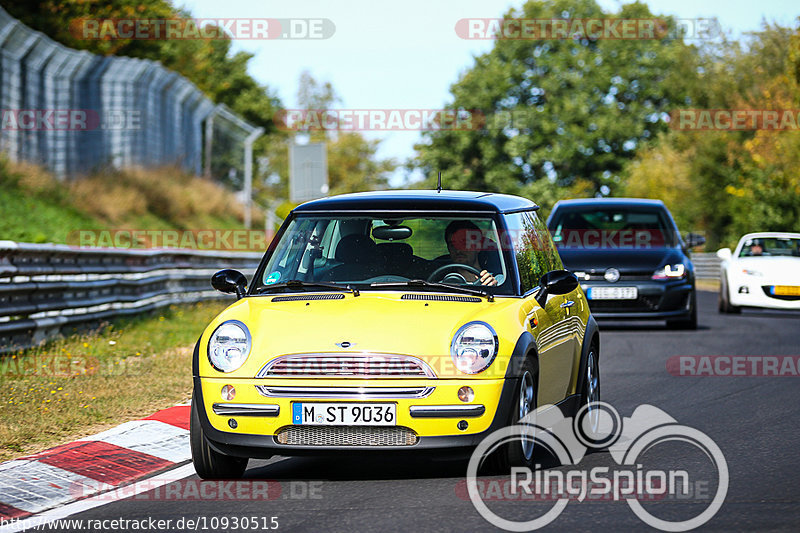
708 285
36 207
73 387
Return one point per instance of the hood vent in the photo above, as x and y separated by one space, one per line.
303 297
440 298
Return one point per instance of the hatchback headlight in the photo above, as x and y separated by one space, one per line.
474 347
751 272
229 346
670 272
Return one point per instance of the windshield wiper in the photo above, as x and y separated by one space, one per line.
296 284
421 283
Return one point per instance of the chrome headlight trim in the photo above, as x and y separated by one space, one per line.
454 346
246 352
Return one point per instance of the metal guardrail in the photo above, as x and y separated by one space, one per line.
48 290
706 265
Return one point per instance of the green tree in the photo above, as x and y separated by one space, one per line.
588 105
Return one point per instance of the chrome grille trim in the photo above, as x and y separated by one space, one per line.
346 436
349 365
446 411
358 393
245 409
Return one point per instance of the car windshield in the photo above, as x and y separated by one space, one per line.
770 247
359 251
617 227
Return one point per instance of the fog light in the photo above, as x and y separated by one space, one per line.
462 425
228 392
466 394
232 423
744 290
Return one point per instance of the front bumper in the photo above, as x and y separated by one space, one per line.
656 300
760 294
433 419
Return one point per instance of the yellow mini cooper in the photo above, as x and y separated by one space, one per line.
394 321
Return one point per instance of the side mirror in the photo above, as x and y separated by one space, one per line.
724 253
556 282
230 282
693 239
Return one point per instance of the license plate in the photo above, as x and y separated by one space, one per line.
612 293
786 290
344 414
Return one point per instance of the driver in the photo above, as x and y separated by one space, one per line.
463 238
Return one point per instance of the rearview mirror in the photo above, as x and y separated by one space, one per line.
693 239
724 253
230 281
556 282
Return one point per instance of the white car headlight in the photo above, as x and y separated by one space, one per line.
670 272
229 346
474 347
751 272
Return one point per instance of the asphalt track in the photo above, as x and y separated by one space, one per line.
753 420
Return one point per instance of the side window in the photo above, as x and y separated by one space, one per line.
548 247
533 248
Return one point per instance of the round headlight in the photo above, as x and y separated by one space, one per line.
474 347
229 346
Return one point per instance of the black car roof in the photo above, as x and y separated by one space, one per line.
608 202
420 200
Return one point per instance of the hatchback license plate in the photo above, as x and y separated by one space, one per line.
612 293
344 414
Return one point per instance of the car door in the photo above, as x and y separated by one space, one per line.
549 322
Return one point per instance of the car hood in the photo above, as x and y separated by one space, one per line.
771 267
624 260
374 322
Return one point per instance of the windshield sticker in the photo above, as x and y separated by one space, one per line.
272 278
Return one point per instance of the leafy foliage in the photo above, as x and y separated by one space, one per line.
586 105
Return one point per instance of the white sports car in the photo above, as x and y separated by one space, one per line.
764 271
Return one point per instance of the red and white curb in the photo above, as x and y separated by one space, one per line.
94 464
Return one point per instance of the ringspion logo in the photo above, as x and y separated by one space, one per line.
598 426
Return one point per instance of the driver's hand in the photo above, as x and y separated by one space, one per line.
487 279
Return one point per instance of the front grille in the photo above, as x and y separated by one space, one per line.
303 297
333 365
787 297
360 393
440 298
623 277
346 436
642 303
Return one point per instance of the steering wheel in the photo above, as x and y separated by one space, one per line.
453 266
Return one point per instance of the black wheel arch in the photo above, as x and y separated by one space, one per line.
591 337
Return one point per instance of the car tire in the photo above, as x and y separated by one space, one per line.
209 463
590 387
724 299
686 323
522 451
